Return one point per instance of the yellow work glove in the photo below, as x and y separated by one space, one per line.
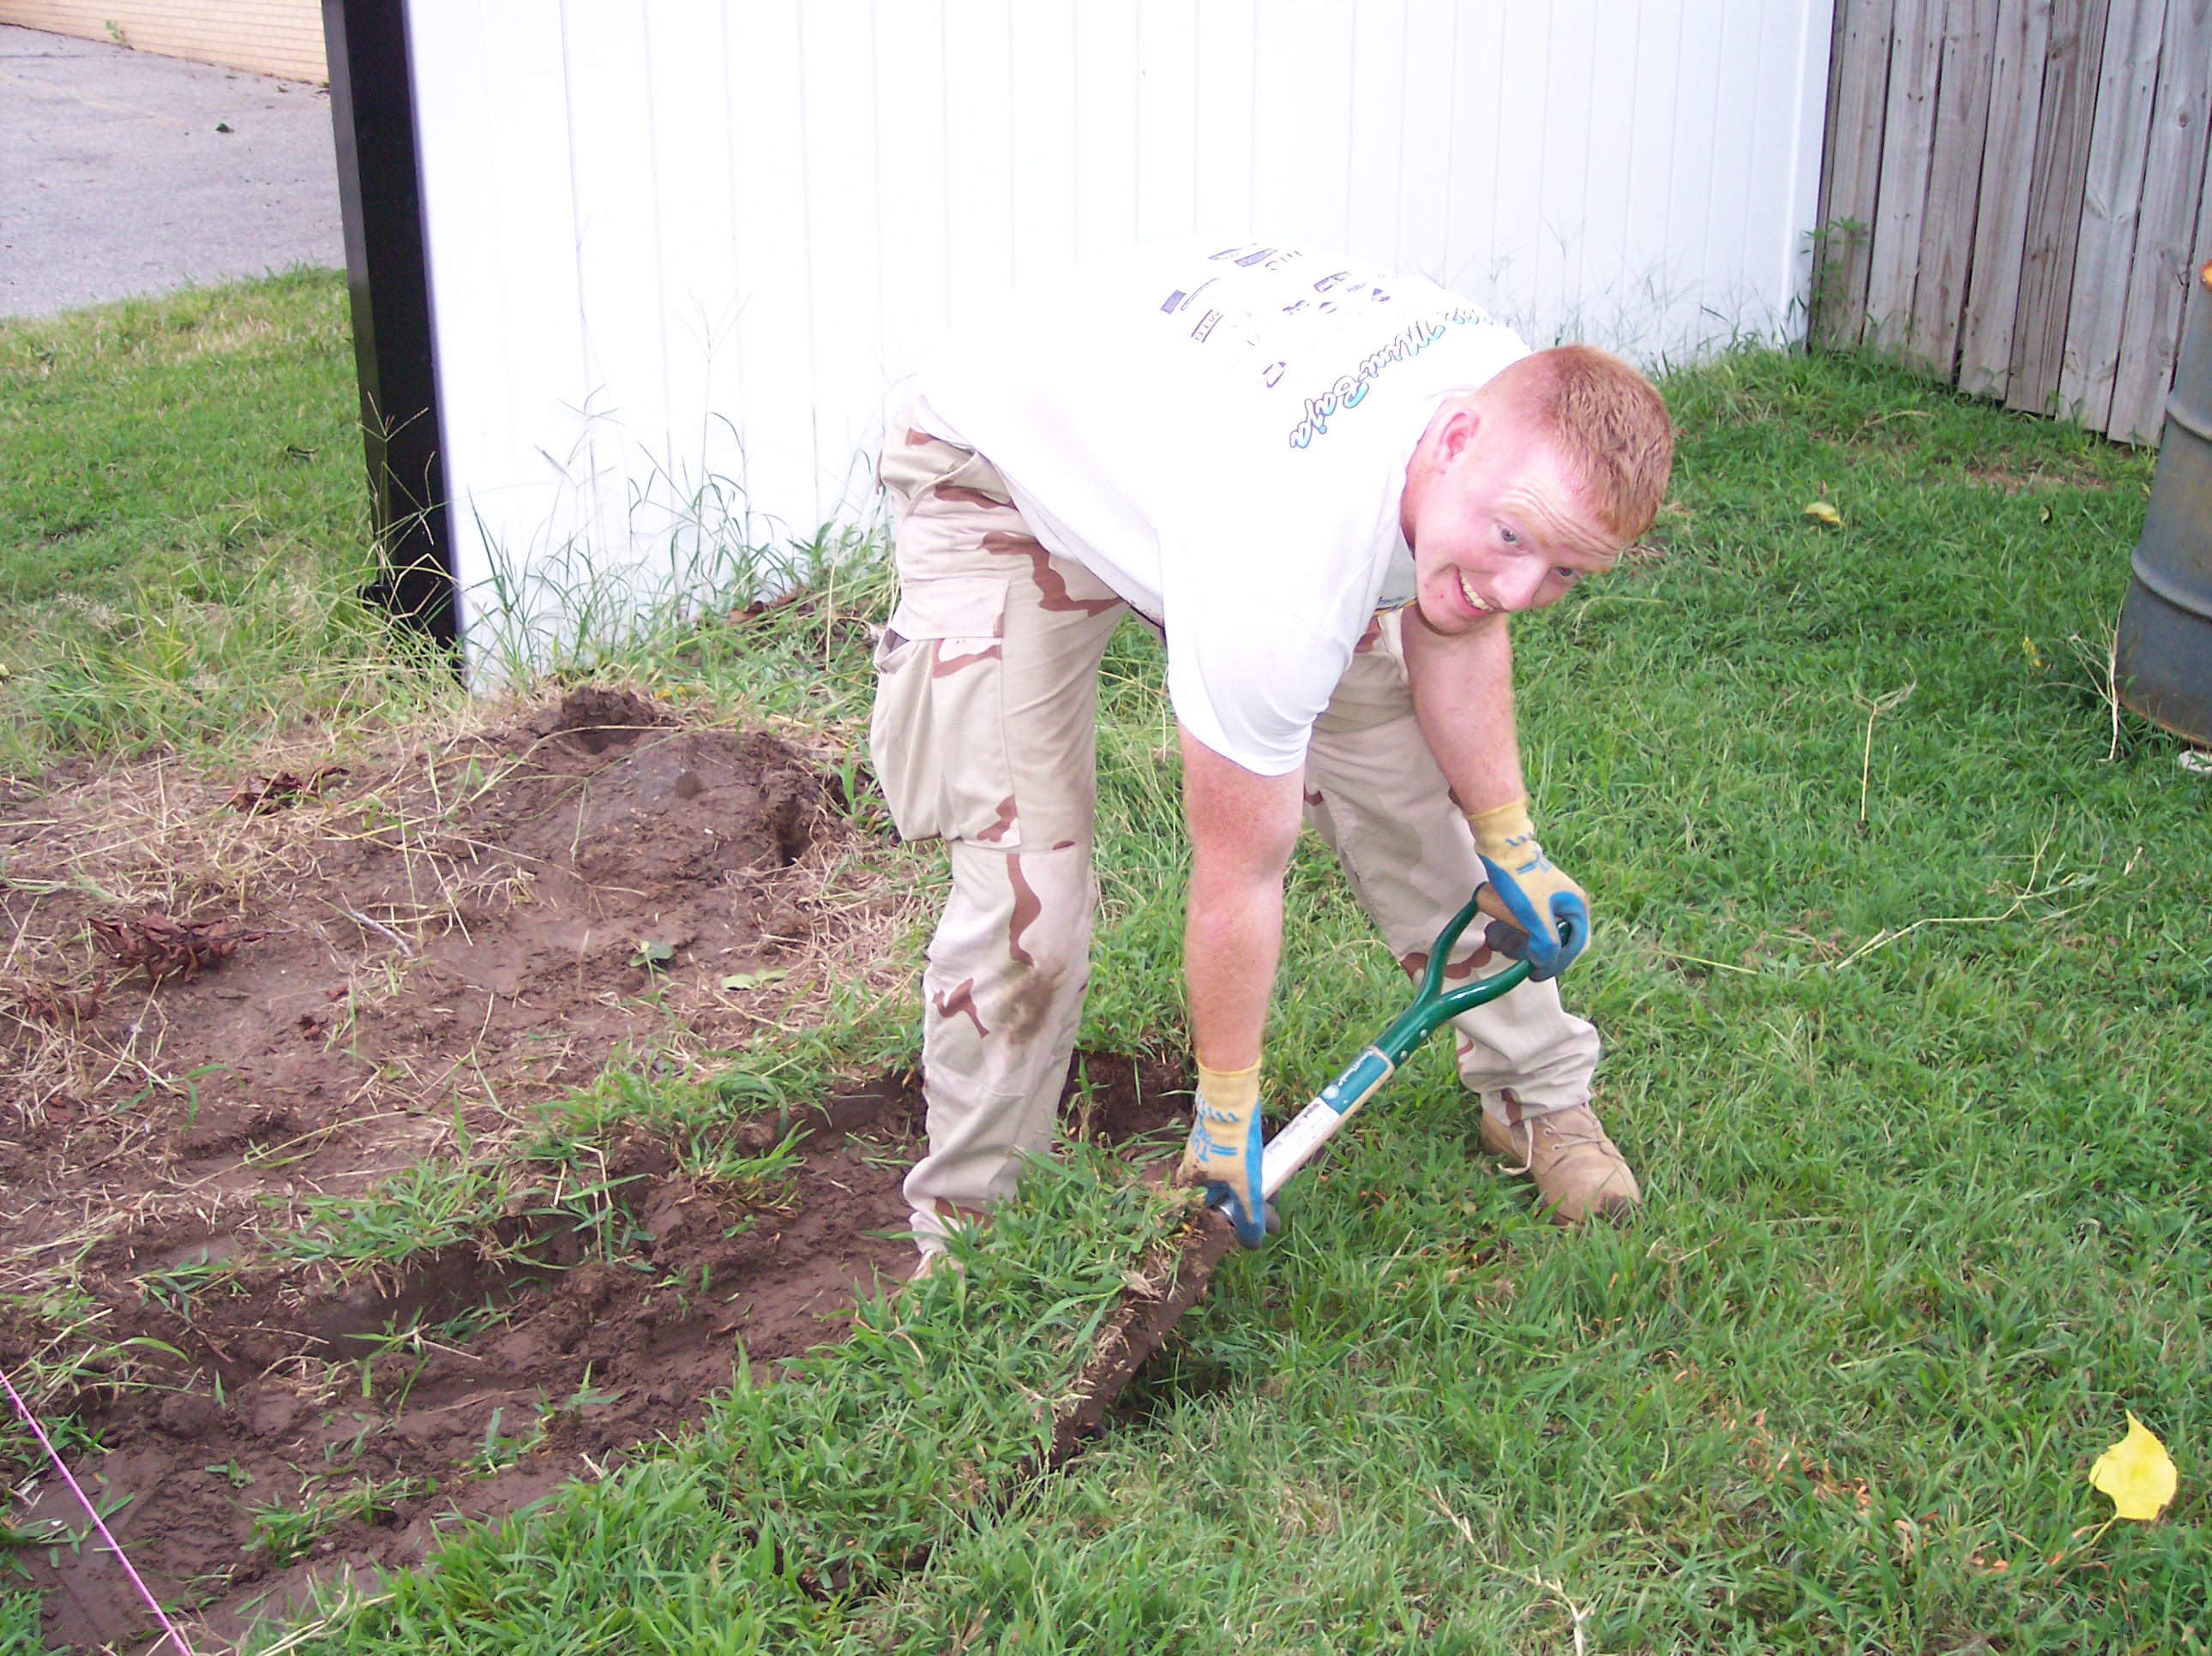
1223 1151
1547 905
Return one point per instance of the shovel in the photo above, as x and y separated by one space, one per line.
1176 1276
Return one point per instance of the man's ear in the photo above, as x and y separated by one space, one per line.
1457 435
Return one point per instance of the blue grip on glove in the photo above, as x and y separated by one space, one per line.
1225 1150
1548 906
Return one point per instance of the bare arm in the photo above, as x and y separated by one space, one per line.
1243 826
1463 698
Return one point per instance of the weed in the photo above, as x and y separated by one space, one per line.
19 1633
757 1180
289 1534
497 1452
172 1286
433 1205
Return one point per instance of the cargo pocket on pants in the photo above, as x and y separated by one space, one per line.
937 736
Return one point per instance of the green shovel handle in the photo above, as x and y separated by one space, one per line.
1359 1080
1436 1005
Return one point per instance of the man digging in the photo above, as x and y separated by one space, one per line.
1327 488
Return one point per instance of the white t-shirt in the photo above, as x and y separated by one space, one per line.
1221 435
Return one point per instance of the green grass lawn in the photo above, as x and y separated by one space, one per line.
183 522
1902 962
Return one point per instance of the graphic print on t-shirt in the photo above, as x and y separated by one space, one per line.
1257 313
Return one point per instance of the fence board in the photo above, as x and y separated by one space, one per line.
617 250
2054 209
1575 126
842 249
1519 186
1955 179
775 308
1908 145
1375 74
1302 89
1226 58
1839 18
1166 135
697 224
1648 175
1471 260
2165 256
911 80
2022 36
1851 178
1105 75
1038 92
1740 60
1798 59
2200 292
527 351
1425 125
2112 202
974 195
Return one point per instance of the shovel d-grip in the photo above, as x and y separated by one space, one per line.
1169 1281
1361 1079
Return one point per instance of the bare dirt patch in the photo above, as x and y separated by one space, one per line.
2078 475
468 918
232 999
300 1425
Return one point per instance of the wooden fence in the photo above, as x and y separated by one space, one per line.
2013 195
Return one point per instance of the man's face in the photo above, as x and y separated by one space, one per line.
1495 522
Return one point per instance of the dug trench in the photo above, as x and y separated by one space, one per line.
393 967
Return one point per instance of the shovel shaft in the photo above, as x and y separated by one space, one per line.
1311 1128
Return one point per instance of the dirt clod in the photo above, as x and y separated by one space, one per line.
44 1004
168 947
284 788
597 717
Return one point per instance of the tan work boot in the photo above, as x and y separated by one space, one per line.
935 1257
1576 1168
932 1261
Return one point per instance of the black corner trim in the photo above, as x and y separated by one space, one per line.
388 275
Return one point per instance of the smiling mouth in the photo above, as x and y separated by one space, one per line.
1480 605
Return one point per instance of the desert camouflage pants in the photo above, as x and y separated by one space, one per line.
984 734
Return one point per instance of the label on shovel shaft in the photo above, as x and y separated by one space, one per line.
1291 1148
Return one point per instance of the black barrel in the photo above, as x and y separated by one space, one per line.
2164 652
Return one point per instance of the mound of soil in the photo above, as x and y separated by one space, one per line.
477 921
395 961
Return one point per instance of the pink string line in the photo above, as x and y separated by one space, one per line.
92 1513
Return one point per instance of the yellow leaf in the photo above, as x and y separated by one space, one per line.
2027 649
1822 512
2136 1472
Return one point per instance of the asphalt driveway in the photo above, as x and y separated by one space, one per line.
123 173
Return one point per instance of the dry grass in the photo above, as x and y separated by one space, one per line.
81 1034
